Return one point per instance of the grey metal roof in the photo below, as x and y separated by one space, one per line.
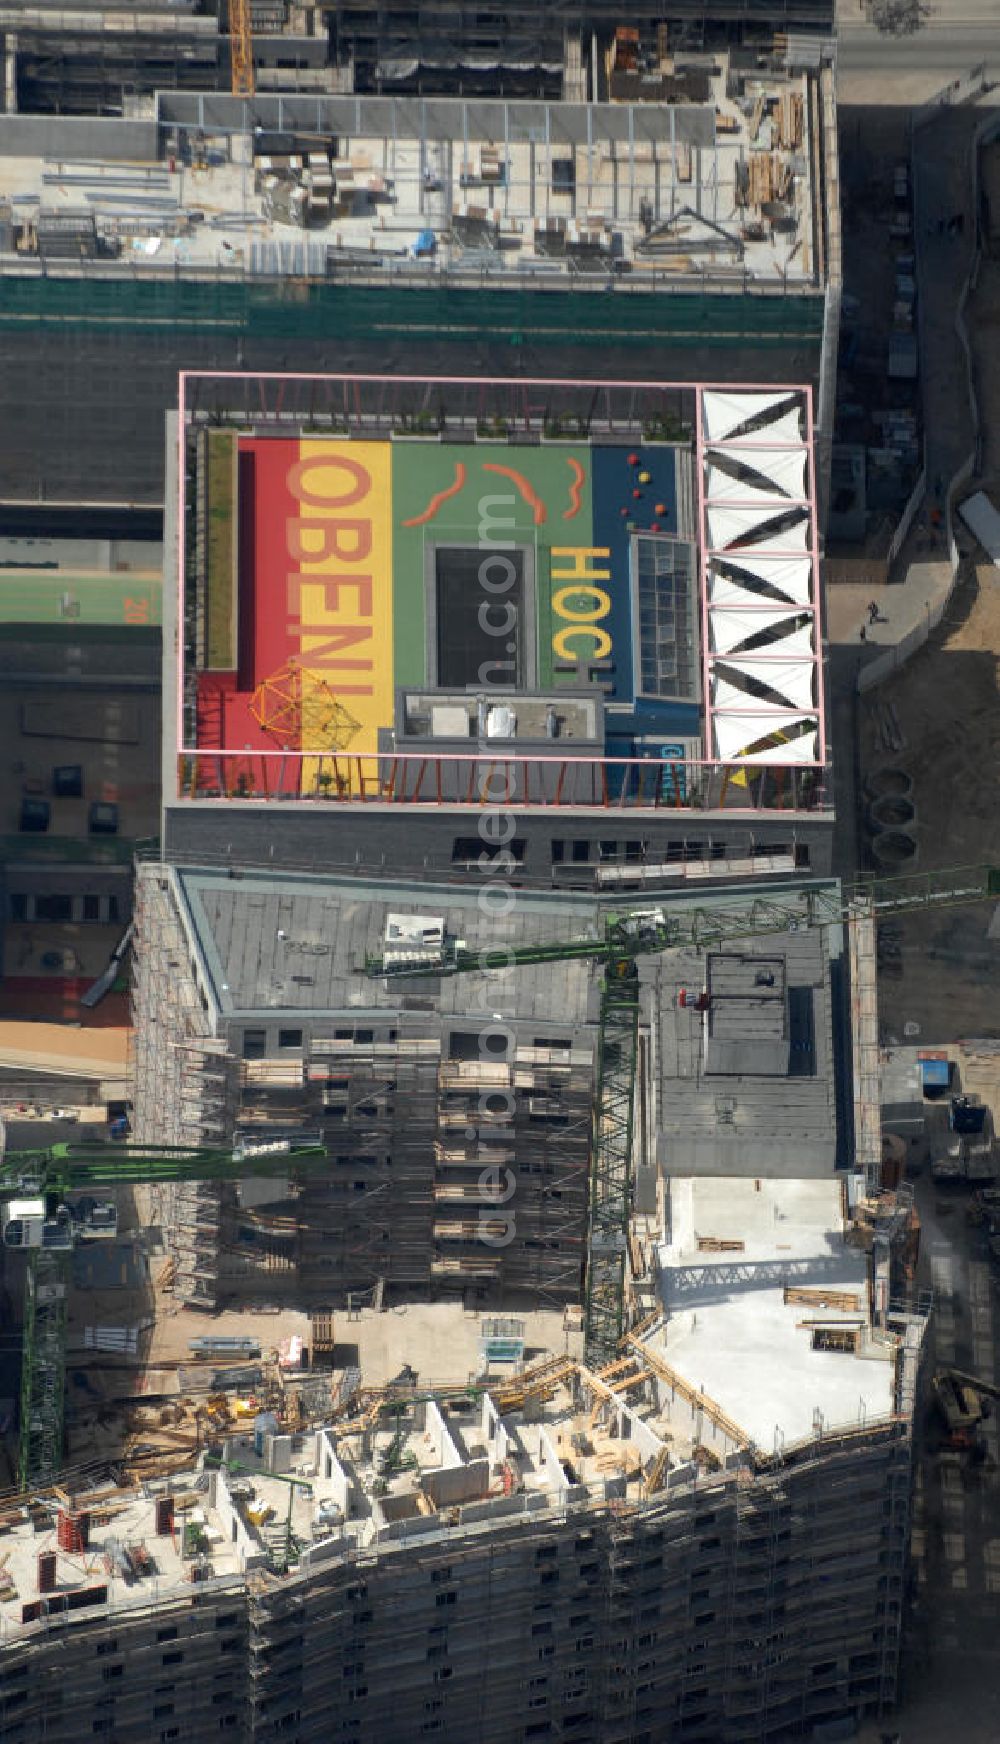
747 1122
296 945
744 1122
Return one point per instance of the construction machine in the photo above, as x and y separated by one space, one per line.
417 946
36 1216
963 1402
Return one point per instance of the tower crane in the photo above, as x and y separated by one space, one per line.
37 1216
241 48
414 949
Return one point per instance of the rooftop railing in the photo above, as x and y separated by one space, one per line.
474 780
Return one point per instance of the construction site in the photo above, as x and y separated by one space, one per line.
687 218
636 1563
660 1391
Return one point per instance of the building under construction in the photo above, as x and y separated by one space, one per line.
102 57
459 1136
646 225
607 1556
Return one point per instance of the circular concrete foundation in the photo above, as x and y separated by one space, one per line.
894 850
888 783
892 812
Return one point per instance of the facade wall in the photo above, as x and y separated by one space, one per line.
561 847
89 365
743 1609
426 1141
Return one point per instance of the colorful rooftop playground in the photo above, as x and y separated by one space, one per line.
595 594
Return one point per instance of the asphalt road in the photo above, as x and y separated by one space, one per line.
954 36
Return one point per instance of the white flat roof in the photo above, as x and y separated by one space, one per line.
729 1330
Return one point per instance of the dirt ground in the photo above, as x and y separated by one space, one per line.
940 969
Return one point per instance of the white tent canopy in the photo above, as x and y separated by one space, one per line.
792 680
729 628
729 527
792 576
725 412
735 733
785 468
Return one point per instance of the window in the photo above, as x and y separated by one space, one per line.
663 574
18 907
112 1671
167 1634
467 849
56 908
254 1044
106 1647
581 852
91 908
289 1038
173 1658
558 851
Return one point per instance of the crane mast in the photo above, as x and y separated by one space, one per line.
241 48
42 1225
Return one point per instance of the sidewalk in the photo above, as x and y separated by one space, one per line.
943 188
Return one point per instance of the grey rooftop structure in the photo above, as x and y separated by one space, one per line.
743 1040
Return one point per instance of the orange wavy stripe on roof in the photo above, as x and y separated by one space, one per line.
438 498
539 511
575 489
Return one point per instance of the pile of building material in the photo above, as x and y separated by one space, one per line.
296 189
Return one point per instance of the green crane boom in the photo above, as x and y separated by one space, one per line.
71 1168
690 925
626 938
48 1175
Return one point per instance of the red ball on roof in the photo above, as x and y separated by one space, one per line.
633 460
637 494
661 508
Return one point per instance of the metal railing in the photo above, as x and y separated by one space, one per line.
474 780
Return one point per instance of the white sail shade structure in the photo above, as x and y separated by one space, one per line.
759 570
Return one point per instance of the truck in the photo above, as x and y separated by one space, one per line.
963 1401
963 1150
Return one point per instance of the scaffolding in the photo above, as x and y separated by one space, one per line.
864 1037
182 1083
